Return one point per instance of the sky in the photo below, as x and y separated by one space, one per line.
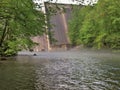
86 2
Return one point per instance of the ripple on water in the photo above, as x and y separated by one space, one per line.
76 72
61 71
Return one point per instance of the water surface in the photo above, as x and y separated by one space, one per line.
73 70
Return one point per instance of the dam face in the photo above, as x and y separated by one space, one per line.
59 30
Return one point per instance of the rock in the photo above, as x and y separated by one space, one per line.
34 54
3 58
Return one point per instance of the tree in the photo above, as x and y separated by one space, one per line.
99 25
19 20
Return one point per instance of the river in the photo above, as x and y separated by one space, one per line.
69 70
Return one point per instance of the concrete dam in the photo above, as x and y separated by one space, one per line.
59 31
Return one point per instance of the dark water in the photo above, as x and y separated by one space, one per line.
61 71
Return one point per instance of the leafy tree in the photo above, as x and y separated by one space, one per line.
19 20
74 25
99 25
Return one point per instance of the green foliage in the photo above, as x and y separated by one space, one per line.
11 47
19 20
97 26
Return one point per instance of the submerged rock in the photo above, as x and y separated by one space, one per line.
34 54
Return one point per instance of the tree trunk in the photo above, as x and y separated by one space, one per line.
4 33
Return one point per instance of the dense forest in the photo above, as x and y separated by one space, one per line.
96 25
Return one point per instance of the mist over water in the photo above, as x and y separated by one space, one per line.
73 70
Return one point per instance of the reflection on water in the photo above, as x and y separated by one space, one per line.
16 76
61 71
